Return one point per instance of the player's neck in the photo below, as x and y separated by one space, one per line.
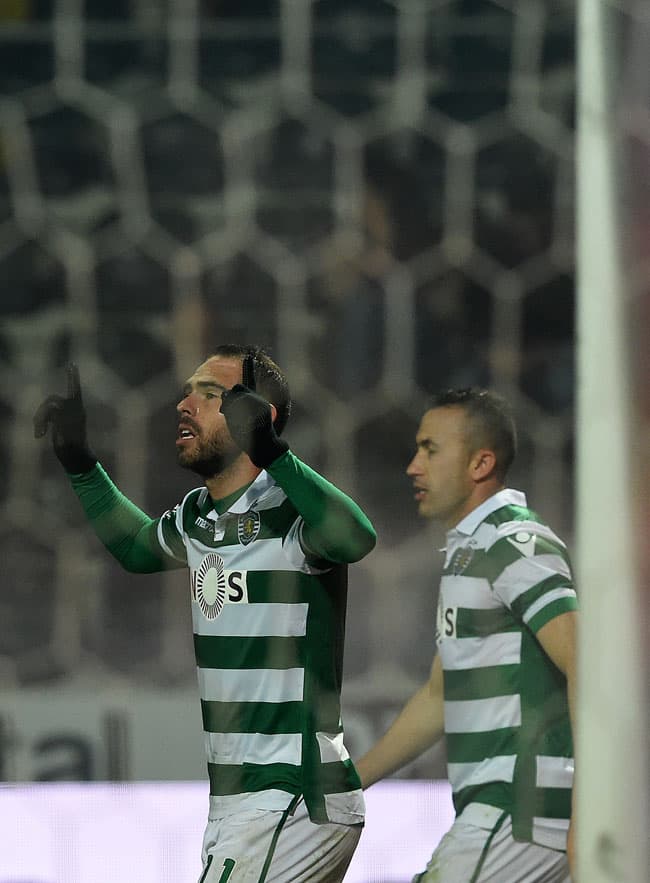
239 474
480 494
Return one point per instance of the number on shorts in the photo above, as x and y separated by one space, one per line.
228 868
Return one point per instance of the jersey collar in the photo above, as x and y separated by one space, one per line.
262 484
505 497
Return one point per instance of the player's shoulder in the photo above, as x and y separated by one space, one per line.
188 510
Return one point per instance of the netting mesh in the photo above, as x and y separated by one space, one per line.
379 192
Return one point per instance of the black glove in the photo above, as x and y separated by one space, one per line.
250 422
68 418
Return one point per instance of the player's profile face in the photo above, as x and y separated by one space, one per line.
203 442
440 469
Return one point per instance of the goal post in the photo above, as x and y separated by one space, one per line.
612 741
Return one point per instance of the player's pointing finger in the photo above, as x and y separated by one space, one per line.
74 383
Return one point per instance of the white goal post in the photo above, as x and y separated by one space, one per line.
612 739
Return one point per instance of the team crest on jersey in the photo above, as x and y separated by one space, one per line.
248 527
209 587
461 560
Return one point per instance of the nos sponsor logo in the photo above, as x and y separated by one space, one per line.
446 622
213 586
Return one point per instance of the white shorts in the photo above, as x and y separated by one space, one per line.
471 854
269 846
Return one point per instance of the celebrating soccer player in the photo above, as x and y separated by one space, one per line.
267 542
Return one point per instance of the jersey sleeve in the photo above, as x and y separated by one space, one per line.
533 576
170 535
334 527
129 534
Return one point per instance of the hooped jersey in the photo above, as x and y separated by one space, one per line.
268 635
506 574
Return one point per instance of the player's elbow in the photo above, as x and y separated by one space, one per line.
362 542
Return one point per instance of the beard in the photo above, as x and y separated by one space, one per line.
209 457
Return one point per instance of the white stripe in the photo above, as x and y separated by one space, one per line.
267 554
255 621
554 772
331 747
524 573
482 715
494 769
239 748
501 649
468 591
251 685
545 600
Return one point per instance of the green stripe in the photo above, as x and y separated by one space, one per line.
482 683
523 792
497 794
511 512
531 802
555 608
191 510
490 564
289 811
218 651
252 717
339 775
227 779
475 747
554 803
472 623
524 601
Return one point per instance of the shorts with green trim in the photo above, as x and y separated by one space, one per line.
271 846
479 848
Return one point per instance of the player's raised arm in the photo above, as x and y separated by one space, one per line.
128 533
336 529
66 416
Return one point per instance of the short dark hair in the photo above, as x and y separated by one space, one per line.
270 381
491 423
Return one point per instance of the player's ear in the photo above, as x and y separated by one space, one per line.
274 412
483 464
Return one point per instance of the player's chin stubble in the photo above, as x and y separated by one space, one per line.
210 459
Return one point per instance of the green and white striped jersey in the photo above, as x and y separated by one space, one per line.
507 723
268 634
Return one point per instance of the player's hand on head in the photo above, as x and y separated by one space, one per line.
66 416
250 422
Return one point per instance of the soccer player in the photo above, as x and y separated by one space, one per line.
267 542
501 686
